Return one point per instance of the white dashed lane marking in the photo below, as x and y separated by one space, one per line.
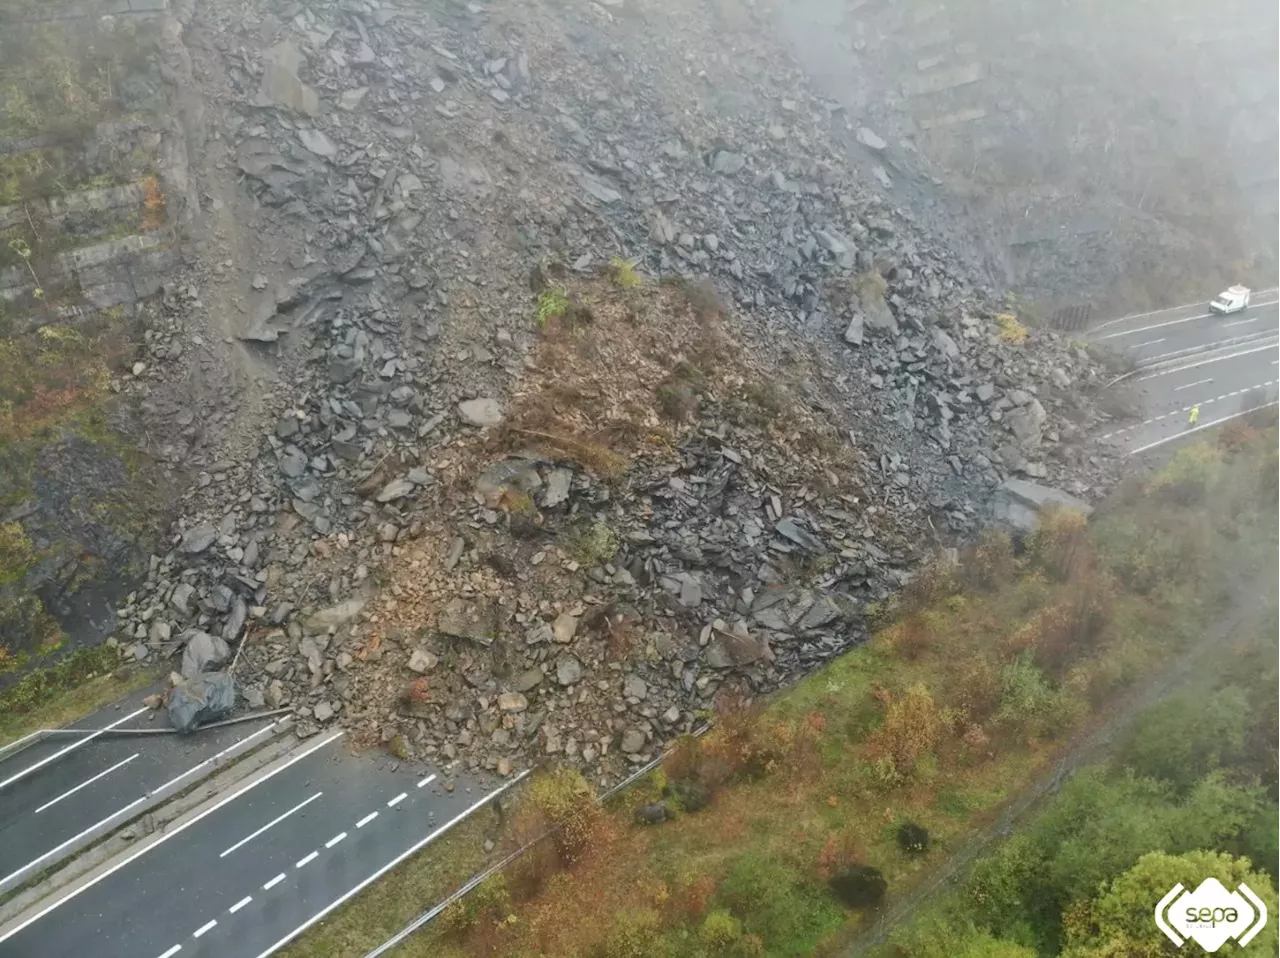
1186 410
1202 382
302 862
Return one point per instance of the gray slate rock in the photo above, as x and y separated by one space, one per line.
568 670
198 538
206 698
480 412
203 653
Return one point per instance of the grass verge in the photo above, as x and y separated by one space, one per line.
76 686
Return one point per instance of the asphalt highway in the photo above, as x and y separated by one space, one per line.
257 867
53 791
1226 366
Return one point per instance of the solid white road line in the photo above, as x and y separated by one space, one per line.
240 904
171 952
119 812
1206 362
335 839
397 800
275 881
87 782
72 840
1150 342
70 748
307 859
1241 322
412 850
177 830
1193 385
1207 425
1177 322
208 926
366 820
1171 309
275 821
212 759
426 781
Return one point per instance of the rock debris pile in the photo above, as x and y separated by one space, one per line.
491 522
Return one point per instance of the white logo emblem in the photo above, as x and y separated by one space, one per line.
1211 915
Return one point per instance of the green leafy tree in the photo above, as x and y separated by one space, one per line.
1189 735
1118 922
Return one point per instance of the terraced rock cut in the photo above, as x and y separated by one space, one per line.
85 239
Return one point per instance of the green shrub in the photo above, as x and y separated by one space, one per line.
633 934
569 804
1166 746
719 930
774 902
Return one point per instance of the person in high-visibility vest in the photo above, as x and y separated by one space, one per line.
1195 414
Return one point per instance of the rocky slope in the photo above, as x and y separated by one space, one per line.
591 378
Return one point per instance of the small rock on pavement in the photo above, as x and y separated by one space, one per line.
323 712
422 661
564 628
480 412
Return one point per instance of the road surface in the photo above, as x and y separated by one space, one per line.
248 872
1226 366
53 791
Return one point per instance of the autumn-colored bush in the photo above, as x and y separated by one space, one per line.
976 690
570 807
1060 544
991 563
912 726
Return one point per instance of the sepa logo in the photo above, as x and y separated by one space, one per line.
1211 915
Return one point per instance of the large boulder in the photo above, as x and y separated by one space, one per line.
203 653
201 700
1018 503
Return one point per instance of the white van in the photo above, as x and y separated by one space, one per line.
1232 300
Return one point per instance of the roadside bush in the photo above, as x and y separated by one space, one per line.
569 805
488 901
991 563
1188 476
